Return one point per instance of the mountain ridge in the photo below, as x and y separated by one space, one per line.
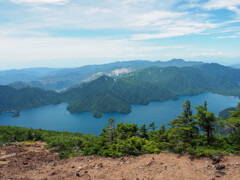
155 83
60 79
108 94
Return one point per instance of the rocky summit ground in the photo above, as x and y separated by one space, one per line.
34 161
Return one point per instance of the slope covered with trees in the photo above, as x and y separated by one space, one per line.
191 80
112 95
106 94
12 99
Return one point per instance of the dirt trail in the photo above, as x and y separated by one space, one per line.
35 162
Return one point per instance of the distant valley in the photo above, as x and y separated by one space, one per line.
125 87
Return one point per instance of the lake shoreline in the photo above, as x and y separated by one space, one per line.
56 117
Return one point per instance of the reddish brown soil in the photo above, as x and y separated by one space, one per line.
35 162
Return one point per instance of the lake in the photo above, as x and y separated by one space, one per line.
56 117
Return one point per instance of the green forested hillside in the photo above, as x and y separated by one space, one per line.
191 80
108 95
12 99
154 83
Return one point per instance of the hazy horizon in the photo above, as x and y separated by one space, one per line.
69 67
72 33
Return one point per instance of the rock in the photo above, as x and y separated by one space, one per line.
78 174
149 163
220 167
85 172
53 173
12 155
219 173
73 167
216 160
79 169
100 165
136 179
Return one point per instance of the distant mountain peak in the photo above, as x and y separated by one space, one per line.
177 60
103 78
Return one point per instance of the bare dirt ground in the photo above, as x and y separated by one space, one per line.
35 162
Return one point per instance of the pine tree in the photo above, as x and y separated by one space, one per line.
206 120
186 120
109 131
143 132
184 129
152 126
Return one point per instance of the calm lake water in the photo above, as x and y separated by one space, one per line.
56 117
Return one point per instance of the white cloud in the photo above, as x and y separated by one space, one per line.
232 5
226 37
40 1
180 28
213 54
156 18
138 1
26 32
49 49
222 4
159 35
103 15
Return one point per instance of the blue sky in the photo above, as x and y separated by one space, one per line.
71 33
